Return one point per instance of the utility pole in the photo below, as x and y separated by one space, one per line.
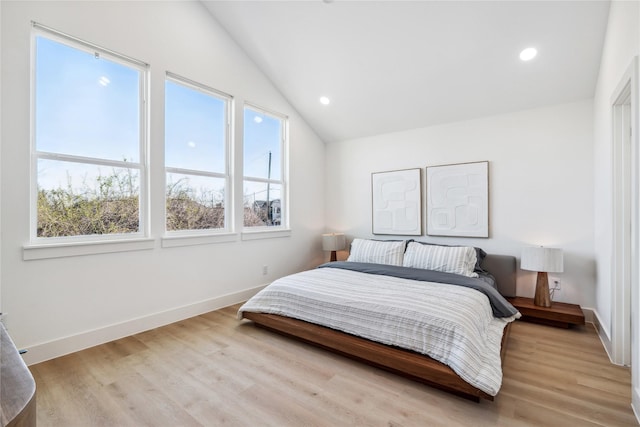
269 215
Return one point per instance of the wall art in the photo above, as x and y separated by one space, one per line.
397 202
458 200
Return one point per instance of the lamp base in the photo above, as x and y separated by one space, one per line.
334 256
542 298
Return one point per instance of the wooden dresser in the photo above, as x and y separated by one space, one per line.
17 387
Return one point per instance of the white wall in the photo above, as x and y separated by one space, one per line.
541 177
58 305
622 44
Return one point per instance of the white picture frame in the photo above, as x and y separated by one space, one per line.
397 202
458 200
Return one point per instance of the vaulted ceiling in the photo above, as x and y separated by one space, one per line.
395 65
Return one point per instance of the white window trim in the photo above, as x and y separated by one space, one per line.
55 247
198 238
84 45
265 233
282 230
73 249
176 238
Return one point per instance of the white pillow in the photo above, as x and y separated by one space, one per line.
448 259
377 251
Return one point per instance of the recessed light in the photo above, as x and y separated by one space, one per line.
528 54
324 100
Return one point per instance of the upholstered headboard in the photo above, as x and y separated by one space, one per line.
503 268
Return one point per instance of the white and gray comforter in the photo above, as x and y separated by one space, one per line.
452 324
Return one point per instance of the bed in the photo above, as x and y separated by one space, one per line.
427 312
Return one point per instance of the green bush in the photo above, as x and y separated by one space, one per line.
109 207
112 206
186 210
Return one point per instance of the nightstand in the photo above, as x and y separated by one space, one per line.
560 314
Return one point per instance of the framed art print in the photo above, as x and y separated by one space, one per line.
397 202
458 200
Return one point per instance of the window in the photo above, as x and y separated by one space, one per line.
196 156
265 201
89 142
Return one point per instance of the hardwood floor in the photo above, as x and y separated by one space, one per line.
212 370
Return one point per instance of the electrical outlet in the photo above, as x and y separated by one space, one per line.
556 284
265 270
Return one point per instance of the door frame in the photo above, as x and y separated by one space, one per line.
625 254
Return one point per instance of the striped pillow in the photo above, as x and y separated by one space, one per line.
448 259
377 251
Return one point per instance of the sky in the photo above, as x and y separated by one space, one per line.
88 106
85 106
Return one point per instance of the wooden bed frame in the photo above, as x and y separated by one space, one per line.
406 363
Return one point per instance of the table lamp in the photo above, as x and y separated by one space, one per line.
543 260
333 242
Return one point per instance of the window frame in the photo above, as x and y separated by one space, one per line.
267 231
172 237
138 239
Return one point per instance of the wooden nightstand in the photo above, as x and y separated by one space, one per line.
559 314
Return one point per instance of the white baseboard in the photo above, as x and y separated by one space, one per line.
59 347
605 338
588 314
635 402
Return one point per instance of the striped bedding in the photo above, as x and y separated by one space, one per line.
451 324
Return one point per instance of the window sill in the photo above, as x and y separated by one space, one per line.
266 234
186 240
60 250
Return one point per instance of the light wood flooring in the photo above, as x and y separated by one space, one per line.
212 370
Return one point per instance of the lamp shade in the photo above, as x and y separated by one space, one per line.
542 259
333 242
